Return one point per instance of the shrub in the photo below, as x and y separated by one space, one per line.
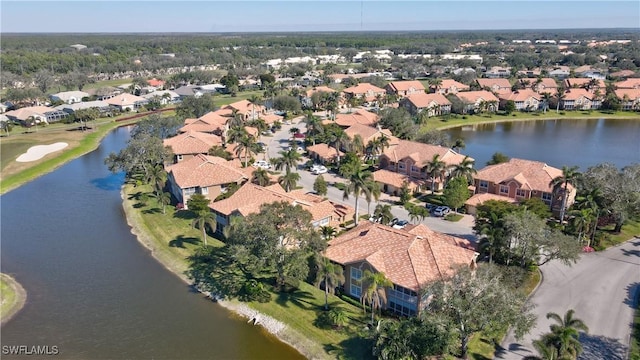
339 185
254 291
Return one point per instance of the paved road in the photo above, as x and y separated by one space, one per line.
280 140
601 289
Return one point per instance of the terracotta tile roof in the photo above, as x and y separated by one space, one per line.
520 95
406 85
270 119
359 116
155 82
320 89
581 82
395 179
363 88
476 96
478 199
192 142
252 131
209 122
250 197
531 175
495 83
574 94
244 107
452 84
25 112
623 73
124 100
324 151
632 94
421 153
633 83
410 260
204 171
424 100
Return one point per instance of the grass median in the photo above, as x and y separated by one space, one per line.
12 299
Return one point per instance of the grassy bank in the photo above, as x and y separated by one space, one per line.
629 230
171 239
634 351
12 297
458 120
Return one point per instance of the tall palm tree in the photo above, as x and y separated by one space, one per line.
464 169
237 119
236 133
261 125
330 275
435 169
358 183
314 126
591 200
164 199
289 180
338 139
260 177
546 96
545 352
357 145
289 159
564 335
374 293
255 100
570 175
249 146
560 95
581 220
459 144
373 194
156 177
199 205
383 212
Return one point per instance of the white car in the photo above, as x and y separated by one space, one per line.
263 164
318 169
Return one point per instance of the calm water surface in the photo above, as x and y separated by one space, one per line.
556 142
93 290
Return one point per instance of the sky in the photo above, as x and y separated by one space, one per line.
87 16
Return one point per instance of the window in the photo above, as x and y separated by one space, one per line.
484 184
401 165
504 190
546 197
415 169
179 157
204 190
189 191
356 289
520 192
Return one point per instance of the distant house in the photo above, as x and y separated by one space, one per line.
586 83
629 98
587 71
156 83
560 72
248 110
210 122
102 107
540 85
433 104
368 133
164 96
369 93
521 179
410 157
41 114
189 144
473 100
579 99
524 99
202 174
78 46
411 258
126 102
359 116
323 153
495 85
632 83
405 88
250 197
69 97
497 72
188 90
449 86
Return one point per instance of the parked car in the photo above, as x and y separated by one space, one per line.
441 211
319 169
400 224
430 207
262 164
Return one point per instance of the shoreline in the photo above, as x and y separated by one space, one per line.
20 298
237 309
474 122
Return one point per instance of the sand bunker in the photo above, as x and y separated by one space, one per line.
39 151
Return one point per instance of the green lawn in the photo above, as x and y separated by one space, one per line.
630 229
634 353
8 297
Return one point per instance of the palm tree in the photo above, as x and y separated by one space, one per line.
560 95
330 275
359 183
417 213
581 220
357 145
199 205
374 293
570 175
156 177
237 119
255 100
249 146
383 212
338 317
328 232
373 194
164 199
464 169
459 144
289 180
338 139
545 352
293 131
435 169
564 335
261 125
260 177
591 200
314 127
236 133
288 160
546 96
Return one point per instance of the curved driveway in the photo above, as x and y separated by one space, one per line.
601 288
